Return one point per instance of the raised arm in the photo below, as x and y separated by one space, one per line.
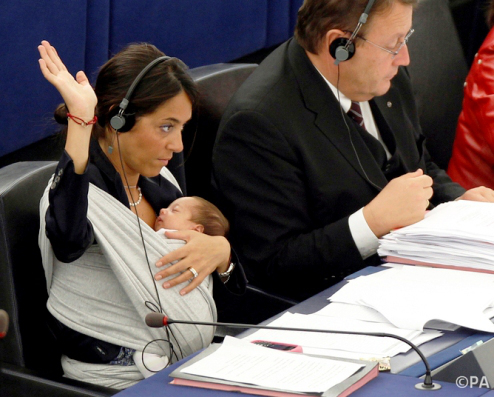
70 232
79 98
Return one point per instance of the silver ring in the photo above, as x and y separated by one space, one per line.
193 271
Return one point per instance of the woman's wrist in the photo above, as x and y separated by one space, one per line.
83 121
223 267
225 276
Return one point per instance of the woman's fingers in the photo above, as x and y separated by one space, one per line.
203 253
194 283
81 78
56 59
179 272
77 92
47 59
50 55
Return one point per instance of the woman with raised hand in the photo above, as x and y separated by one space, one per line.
105 267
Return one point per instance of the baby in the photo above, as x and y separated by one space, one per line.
185 213
193 213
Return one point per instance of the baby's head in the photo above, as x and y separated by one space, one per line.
193 213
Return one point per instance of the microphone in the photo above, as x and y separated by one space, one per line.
158 320
4 323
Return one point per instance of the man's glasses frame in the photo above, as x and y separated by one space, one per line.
395 52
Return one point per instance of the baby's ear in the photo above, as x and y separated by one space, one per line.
198 228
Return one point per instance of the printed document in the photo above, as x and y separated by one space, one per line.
241 361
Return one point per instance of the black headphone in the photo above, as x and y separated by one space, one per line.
121 121
343 49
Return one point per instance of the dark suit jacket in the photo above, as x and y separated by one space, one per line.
286 169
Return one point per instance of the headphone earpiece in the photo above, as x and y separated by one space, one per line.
341 50
121 121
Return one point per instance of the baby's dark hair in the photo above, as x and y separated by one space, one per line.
207 214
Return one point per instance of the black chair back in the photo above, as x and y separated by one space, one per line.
29 356
22 283
217 83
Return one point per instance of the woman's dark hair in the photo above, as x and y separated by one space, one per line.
317 17
163 82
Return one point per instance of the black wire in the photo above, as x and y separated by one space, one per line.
171 350
350 134
150 305
194 136
139 224
168 330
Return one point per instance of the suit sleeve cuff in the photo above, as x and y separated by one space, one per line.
364 239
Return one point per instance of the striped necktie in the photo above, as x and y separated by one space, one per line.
356 114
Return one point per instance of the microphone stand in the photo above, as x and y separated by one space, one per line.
426 385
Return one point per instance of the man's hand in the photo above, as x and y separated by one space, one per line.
402 202
480 193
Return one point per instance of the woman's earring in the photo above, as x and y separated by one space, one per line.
110 146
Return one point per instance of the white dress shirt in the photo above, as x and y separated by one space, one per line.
365 240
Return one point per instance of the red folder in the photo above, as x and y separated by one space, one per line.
404 261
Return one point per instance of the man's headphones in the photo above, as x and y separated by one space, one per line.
121 121
343 49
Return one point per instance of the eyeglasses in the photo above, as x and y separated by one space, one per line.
392 52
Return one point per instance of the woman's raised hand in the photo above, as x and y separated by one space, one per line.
77 93
79 98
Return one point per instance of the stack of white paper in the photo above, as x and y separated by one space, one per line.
410 297
458 233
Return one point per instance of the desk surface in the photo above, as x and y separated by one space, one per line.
407 367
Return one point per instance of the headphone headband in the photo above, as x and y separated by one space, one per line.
120 121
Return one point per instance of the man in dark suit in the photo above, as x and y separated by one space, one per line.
308 189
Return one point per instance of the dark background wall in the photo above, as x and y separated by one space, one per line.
469 16
87 32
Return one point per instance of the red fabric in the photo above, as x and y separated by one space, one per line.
472 162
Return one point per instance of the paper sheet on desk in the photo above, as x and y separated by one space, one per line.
426 336
328 344
365 313
241 361
410 296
